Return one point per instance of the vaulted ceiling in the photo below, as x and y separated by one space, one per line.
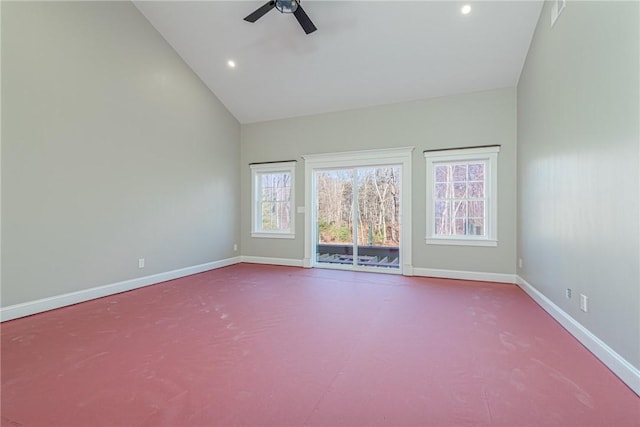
364 53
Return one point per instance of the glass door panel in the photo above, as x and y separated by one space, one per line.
334 216
378 213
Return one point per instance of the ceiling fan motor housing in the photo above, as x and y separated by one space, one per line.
287 6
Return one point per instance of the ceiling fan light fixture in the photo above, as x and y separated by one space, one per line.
287 6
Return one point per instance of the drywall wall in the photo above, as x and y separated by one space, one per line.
112 150
456 121
578 167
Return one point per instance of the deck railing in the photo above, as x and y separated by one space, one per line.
373 256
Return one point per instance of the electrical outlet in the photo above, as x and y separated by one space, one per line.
584 303
140 262
235 247
568 293
520 262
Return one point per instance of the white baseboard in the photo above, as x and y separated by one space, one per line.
273 261
45 304
628 373
465 275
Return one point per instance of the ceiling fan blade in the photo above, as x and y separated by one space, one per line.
304 20
259 12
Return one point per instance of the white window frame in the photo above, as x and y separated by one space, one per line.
489 155
266 168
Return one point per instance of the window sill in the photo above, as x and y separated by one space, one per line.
461 242
274 235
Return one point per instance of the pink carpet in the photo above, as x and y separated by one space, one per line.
263 345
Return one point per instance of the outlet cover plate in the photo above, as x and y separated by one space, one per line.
584 303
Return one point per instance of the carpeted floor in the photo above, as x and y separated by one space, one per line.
264 345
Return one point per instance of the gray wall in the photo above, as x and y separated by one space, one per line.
112 150
471 119
578 162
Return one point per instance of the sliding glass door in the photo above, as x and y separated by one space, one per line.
357 217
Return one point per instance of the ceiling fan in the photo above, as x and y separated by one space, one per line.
284 6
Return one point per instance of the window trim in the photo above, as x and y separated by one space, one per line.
262 168
488 154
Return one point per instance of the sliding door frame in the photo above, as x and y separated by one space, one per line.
356 159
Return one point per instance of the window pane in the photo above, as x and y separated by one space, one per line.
442 173
442 226
459 227
460 209
442 208
275 216
460 173
268 221
476 209
281 194
460 190
476 172
442 190
476 190
267 194
476 227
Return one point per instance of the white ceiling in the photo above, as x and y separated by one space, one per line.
364 53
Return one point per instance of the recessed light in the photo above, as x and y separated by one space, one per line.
231 63
465 9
